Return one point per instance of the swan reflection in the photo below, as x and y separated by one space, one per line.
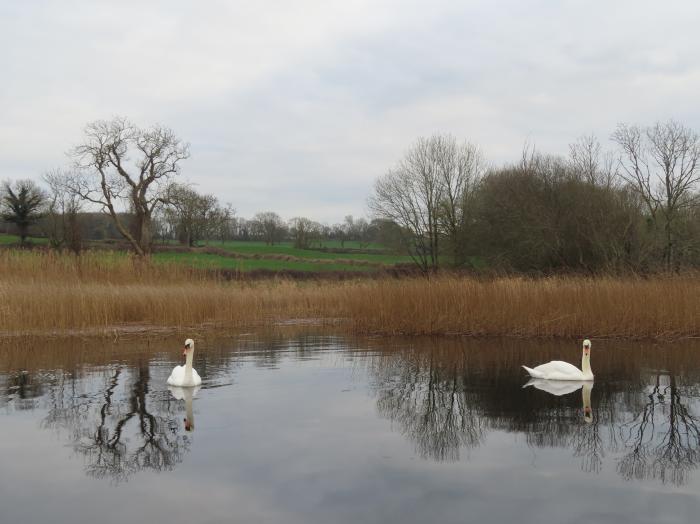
562 387
186 394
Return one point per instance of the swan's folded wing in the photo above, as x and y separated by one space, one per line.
177 376
558 366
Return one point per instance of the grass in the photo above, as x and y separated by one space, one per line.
287 248
49 291
210 261
14 239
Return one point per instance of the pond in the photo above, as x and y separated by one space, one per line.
300 427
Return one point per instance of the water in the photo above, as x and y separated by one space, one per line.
299 427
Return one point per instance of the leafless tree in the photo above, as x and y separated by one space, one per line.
193 215
119 165
223 222
410 195
461 167
662 164
304 231
588 160
63 210
269 226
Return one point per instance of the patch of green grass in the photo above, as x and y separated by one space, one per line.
14 239
209 261
287 248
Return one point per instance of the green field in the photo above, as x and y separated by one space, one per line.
14 239
287 248
209 261
311 260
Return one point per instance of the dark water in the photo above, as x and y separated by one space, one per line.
303 428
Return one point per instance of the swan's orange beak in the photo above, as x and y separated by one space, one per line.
184 352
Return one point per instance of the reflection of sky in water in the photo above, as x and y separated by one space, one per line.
321 429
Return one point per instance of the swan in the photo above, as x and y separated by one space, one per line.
186 394
185 376
558 370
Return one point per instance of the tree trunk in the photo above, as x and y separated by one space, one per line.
145 234
22 234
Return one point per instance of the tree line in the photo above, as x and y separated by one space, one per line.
633 207
123 183
187 217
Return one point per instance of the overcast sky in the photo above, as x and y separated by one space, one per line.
297 106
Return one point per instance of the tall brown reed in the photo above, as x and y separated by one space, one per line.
55 292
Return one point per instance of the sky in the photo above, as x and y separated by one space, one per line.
298 106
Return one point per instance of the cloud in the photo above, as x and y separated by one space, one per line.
299 106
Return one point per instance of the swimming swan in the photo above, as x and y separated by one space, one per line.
558 370
185 376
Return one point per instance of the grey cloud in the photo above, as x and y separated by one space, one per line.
299 107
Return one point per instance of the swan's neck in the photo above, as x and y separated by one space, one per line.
586 364
188 365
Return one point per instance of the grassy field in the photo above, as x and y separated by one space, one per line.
288 249
270 258
43 291
211 261
13 239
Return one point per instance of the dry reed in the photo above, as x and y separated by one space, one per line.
54 292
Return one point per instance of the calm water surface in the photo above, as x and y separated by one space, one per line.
304 428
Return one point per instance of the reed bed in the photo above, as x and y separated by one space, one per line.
55 292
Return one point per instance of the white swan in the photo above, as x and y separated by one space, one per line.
558 370
185 376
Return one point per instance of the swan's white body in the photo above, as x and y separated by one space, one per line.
185 376
558 370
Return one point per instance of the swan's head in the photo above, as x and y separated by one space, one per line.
189 346
588 414
587 347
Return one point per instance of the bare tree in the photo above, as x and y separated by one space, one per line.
223 222
427 194
410 195
269 226
121 165
461 167
662 164
63 210
192 215
304 231
22 205
588 160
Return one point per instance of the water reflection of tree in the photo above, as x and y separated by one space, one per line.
432 406
23 389
121 428
446 399
663 439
